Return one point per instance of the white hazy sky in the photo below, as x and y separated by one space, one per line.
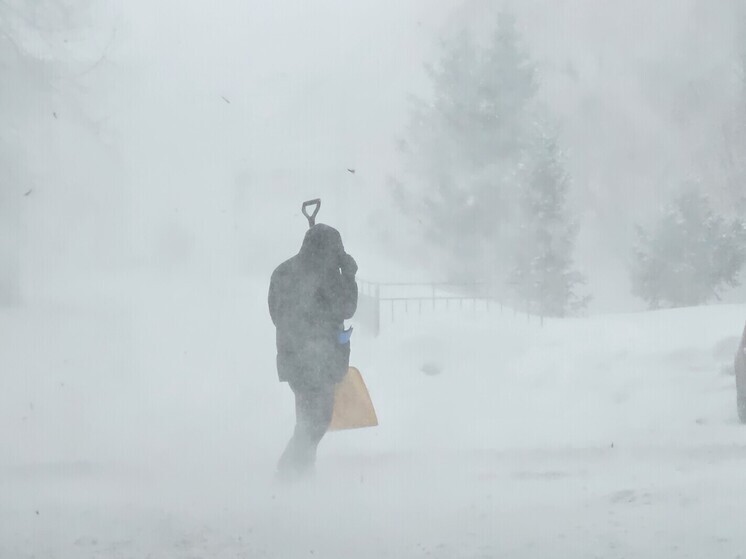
207 124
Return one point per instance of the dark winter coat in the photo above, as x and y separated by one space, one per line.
310 296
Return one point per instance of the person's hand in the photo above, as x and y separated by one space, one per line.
348 265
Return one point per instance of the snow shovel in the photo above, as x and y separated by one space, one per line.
353 408
311 218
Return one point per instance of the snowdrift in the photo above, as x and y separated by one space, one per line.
145 419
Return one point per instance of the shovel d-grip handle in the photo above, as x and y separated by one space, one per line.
311 218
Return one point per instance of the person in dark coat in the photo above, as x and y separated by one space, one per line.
310 297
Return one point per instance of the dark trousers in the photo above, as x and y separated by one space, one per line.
313 413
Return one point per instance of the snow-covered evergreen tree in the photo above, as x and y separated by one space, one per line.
543 274
464 149
691 255
732 188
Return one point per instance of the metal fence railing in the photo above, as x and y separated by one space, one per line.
389 299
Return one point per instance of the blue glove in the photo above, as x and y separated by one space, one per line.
344 336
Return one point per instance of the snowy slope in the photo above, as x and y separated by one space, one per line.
644 378
144 419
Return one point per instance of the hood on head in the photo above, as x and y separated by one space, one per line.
322 245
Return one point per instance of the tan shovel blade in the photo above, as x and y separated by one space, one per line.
353 408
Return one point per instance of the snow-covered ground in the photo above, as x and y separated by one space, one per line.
144 420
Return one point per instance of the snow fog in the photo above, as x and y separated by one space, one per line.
544 205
